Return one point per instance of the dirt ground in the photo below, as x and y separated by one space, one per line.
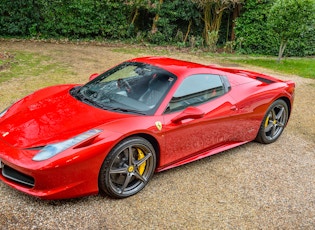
250 187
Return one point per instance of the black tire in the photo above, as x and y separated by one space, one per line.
128 168
273 123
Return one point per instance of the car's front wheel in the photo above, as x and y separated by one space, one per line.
127 168
273 123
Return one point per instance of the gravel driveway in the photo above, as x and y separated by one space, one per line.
250 187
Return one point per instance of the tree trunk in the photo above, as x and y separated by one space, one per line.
156 18
188 31
207 19
136 13
228 28
282 47
236 14
212 20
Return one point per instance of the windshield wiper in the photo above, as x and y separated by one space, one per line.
127 110
79 95
75 92
92 102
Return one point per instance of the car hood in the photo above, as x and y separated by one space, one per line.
50 115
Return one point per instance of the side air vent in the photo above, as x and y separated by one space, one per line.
264 80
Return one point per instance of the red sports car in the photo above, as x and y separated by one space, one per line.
143 116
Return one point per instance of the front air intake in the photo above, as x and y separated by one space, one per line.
17 176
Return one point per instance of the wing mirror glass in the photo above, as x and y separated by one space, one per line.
188 113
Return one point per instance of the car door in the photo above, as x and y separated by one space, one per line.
198 117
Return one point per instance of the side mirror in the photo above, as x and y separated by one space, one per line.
188 113
93 76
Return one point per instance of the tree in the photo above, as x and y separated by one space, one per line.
157 15
136 5
173 21
289 19
212 17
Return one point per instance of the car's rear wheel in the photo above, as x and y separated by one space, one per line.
127 168
273 123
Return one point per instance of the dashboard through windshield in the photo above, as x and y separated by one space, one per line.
130 88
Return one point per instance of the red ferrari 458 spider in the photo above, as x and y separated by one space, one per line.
143 116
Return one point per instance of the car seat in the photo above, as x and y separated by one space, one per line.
156 89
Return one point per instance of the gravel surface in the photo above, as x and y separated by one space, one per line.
253 186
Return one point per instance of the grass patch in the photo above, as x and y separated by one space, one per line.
303 67
26 64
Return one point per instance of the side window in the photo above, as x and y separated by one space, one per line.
195 90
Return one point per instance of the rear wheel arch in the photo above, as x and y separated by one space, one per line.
287 101
274 121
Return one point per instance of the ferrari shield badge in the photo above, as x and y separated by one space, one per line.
158 125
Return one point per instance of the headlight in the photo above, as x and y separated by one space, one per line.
51 150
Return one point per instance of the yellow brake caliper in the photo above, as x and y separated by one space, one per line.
142 166
267 121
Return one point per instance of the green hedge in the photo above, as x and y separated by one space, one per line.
64 18
19 18
111 19
254 36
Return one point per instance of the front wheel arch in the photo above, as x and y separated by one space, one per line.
127 168
154 143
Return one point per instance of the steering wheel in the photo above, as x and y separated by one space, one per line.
123 84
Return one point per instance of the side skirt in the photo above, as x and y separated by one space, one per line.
199 156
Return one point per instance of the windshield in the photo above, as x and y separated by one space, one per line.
130 87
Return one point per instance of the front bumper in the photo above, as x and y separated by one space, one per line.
71 176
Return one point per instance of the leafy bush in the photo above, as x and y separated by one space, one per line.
19 18
256 37
251 28
174 19
64 18
289 19
159 22
84 19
